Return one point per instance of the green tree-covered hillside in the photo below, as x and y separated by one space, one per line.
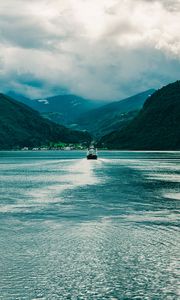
22 126
156 127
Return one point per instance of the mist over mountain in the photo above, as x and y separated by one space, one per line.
156 127
22 126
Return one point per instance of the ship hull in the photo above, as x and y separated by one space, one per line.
92 156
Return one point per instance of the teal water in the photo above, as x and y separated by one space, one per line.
77 229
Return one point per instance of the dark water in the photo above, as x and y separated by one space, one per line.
77 229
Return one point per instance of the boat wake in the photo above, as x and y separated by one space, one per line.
68 176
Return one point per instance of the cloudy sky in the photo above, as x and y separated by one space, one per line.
100 49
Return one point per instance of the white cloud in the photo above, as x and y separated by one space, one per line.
105 49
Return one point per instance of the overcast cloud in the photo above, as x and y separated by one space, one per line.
101 49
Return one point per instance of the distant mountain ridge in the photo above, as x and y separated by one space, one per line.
62 109
113 115
156 127
22 126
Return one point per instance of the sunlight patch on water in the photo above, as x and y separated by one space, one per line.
44 183
18 207
172 195
164 177
76 174
154 216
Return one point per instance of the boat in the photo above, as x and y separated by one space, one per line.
91 152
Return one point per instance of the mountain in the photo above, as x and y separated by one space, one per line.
22 126
156 127
62 109
19 98
112 116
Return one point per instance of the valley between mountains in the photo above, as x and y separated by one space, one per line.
149 120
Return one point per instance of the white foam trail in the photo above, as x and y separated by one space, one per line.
106 160
76 174
48 185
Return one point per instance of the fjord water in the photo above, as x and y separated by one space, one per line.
77 229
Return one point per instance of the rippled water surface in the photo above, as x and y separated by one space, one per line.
77 229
